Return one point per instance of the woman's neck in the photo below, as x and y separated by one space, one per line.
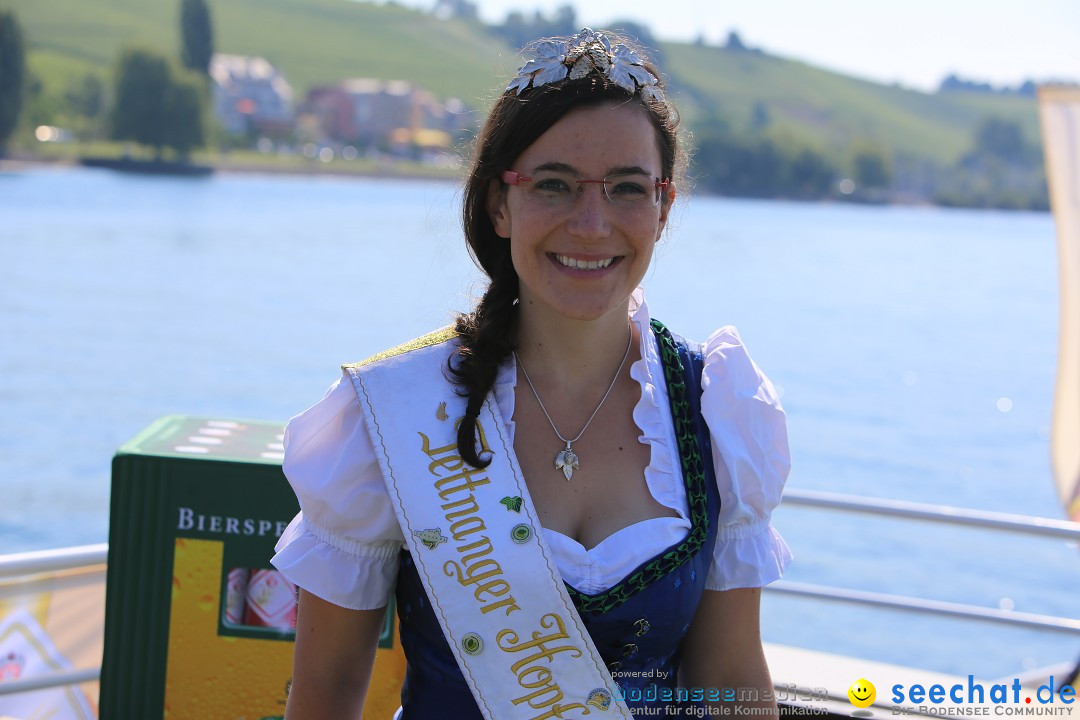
569 353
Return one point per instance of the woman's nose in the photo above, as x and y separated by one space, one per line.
590 213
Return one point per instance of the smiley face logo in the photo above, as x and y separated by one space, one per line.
861 693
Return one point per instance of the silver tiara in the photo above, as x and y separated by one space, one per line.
587 52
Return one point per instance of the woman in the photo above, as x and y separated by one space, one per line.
557 385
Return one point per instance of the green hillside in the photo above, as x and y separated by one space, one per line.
312 41
323 41
829 111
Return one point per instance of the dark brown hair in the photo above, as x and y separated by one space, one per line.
516 122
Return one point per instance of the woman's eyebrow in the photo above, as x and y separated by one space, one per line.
562 167
629 170
558 167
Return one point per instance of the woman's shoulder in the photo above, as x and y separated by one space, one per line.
331 464
344 543
751 459
729 368
328 443
437 343
727 364
725 344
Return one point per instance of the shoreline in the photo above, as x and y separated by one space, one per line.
420 173
19 161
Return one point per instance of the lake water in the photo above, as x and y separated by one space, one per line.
914 349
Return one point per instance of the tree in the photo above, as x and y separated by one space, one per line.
456 9
738 166
196 35
759 116
1003 139
564 22
184 121
515 29
142 84
810 175
871 169
12 75
642 35
519 30
85 96
153 106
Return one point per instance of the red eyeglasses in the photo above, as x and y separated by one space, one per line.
629 190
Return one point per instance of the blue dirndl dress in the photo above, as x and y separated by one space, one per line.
639 624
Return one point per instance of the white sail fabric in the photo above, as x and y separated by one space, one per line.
1059 111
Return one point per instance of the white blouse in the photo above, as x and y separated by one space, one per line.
343 546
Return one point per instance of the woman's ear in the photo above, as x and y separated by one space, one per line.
666 201
497 209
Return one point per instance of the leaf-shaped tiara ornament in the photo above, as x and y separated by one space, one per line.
627 69
585 53
548 64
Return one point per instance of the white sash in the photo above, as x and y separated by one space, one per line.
478 545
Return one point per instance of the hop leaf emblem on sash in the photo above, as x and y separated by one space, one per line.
431 537
512 503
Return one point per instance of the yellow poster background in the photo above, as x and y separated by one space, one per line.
219 676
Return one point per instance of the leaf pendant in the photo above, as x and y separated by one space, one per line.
567 461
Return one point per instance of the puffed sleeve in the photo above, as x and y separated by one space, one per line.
751 458
344 544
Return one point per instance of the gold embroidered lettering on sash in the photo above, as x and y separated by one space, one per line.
515 645
558 710
552 665
463 528
464 518
484 542
475 568
545 692
472 509
469 484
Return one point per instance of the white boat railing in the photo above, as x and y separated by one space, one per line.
25 570
36 563
1043 527
60 678
1009 522
936 607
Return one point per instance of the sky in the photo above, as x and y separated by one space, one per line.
915 42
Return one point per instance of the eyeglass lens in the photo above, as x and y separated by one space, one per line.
627 190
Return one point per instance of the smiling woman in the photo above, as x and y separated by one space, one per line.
606 515
580 247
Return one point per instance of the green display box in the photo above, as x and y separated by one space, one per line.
197 623
197 504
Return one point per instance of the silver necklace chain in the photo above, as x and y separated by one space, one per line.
567 460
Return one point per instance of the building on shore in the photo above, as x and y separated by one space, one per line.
388 116
251 97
